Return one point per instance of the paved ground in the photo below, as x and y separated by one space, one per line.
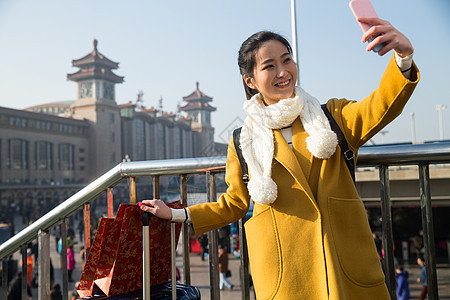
200 275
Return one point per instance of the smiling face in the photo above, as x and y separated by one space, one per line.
275 72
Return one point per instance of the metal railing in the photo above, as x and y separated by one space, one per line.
381 156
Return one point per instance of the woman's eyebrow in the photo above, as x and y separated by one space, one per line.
269 60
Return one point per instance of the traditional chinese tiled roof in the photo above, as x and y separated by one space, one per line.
197 95
95 65
95 57
197 101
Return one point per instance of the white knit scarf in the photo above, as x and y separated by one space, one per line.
257 141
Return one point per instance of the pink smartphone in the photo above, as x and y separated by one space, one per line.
363 8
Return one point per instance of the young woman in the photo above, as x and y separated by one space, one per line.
309 236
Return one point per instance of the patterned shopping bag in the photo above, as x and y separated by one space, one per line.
120 266
87 277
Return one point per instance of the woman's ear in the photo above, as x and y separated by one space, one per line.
249 82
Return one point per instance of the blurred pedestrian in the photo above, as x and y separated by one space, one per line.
423 277
82 257
80 228
417 244
223 268
203 240
57 237
70 232
70 261
402 283
224 237
378 243
55 293
15 290
30 263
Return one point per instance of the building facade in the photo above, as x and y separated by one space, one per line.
70 143
38 148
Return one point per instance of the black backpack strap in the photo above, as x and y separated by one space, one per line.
237 146
349 155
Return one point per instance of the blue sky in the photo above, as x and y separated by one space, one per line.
164 47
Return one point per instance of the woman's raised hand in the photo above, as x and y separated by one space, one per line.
157 208
384 32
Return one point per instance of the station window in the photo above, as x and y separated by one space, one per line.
66 156
44 155
18 155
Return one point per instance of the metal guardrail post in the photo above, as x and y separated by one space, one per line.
448 250
132 190
156 187
387 230
4 279
146 255
87 228
213 241
63 256
24 273
110 202
44 265
245 275
173 249
186 241
427 225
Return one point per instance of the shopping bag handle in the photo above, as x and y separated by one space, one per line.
146 216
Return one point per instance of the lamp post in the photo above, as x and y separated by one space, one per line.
413 129
440 108
294 38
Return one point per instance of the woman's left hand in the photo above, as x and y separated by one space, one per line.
384 32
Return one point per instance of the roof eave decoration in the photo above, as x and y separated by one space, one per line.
95 73
198 106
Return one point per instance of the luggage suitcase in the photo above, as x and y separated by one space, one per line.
158 292
166 290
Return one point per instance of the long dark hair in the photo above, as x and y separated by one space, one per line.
247 55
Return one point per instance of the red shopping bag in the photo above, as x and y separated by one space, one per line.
88 275
119 268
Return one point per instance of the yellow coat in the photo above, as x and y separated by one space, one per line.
314 241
